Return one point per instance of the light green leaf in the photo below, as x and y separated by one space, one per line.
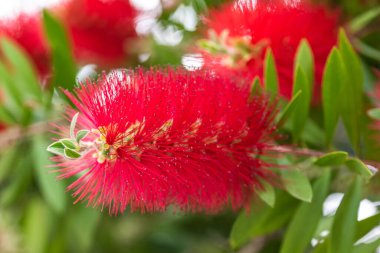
332 159
267 194
37 226
301 111
359 167
81 134
366 225
298 235
344 226
332 82
374 113
305 60
270 74
71 154
297 184
68 143
360 22
367 247
52 190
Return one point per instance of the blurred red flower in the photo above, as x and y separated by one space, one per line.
99 29
169 137
27 31
251 28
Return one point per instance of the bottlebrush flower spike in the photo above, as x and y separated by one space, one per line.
239 34
27 31
150 139
99 29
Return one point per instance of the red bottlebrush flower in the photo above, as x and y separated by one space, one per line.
167 137
248 29
27 31
99 29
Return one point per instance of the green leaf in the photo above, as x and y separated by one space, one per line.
71 154
304 59
366 225
360 22
26 76
374 113
262 219
256 88
267 194
301 111
332 82
82 224
64 67
344 226
352 91
289 108
37 226
332 159
68 143
297 184
270 73
359 167
52 190
298 236
81 134
7 161
367 247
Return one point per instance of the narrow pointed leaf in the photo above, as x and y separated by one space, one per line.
301 112
360 22
68 143
332 82
270 73
73 125
305 60
298 236
289 108
359 167
344 226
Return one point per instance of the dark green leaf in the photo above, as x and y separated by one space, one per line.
256 87
52 190
298 236
344 226
270 73
297 184
366 225
332 159
332 82
301 110
64 67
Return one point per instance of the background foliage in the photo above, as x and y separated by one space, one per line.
37 215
